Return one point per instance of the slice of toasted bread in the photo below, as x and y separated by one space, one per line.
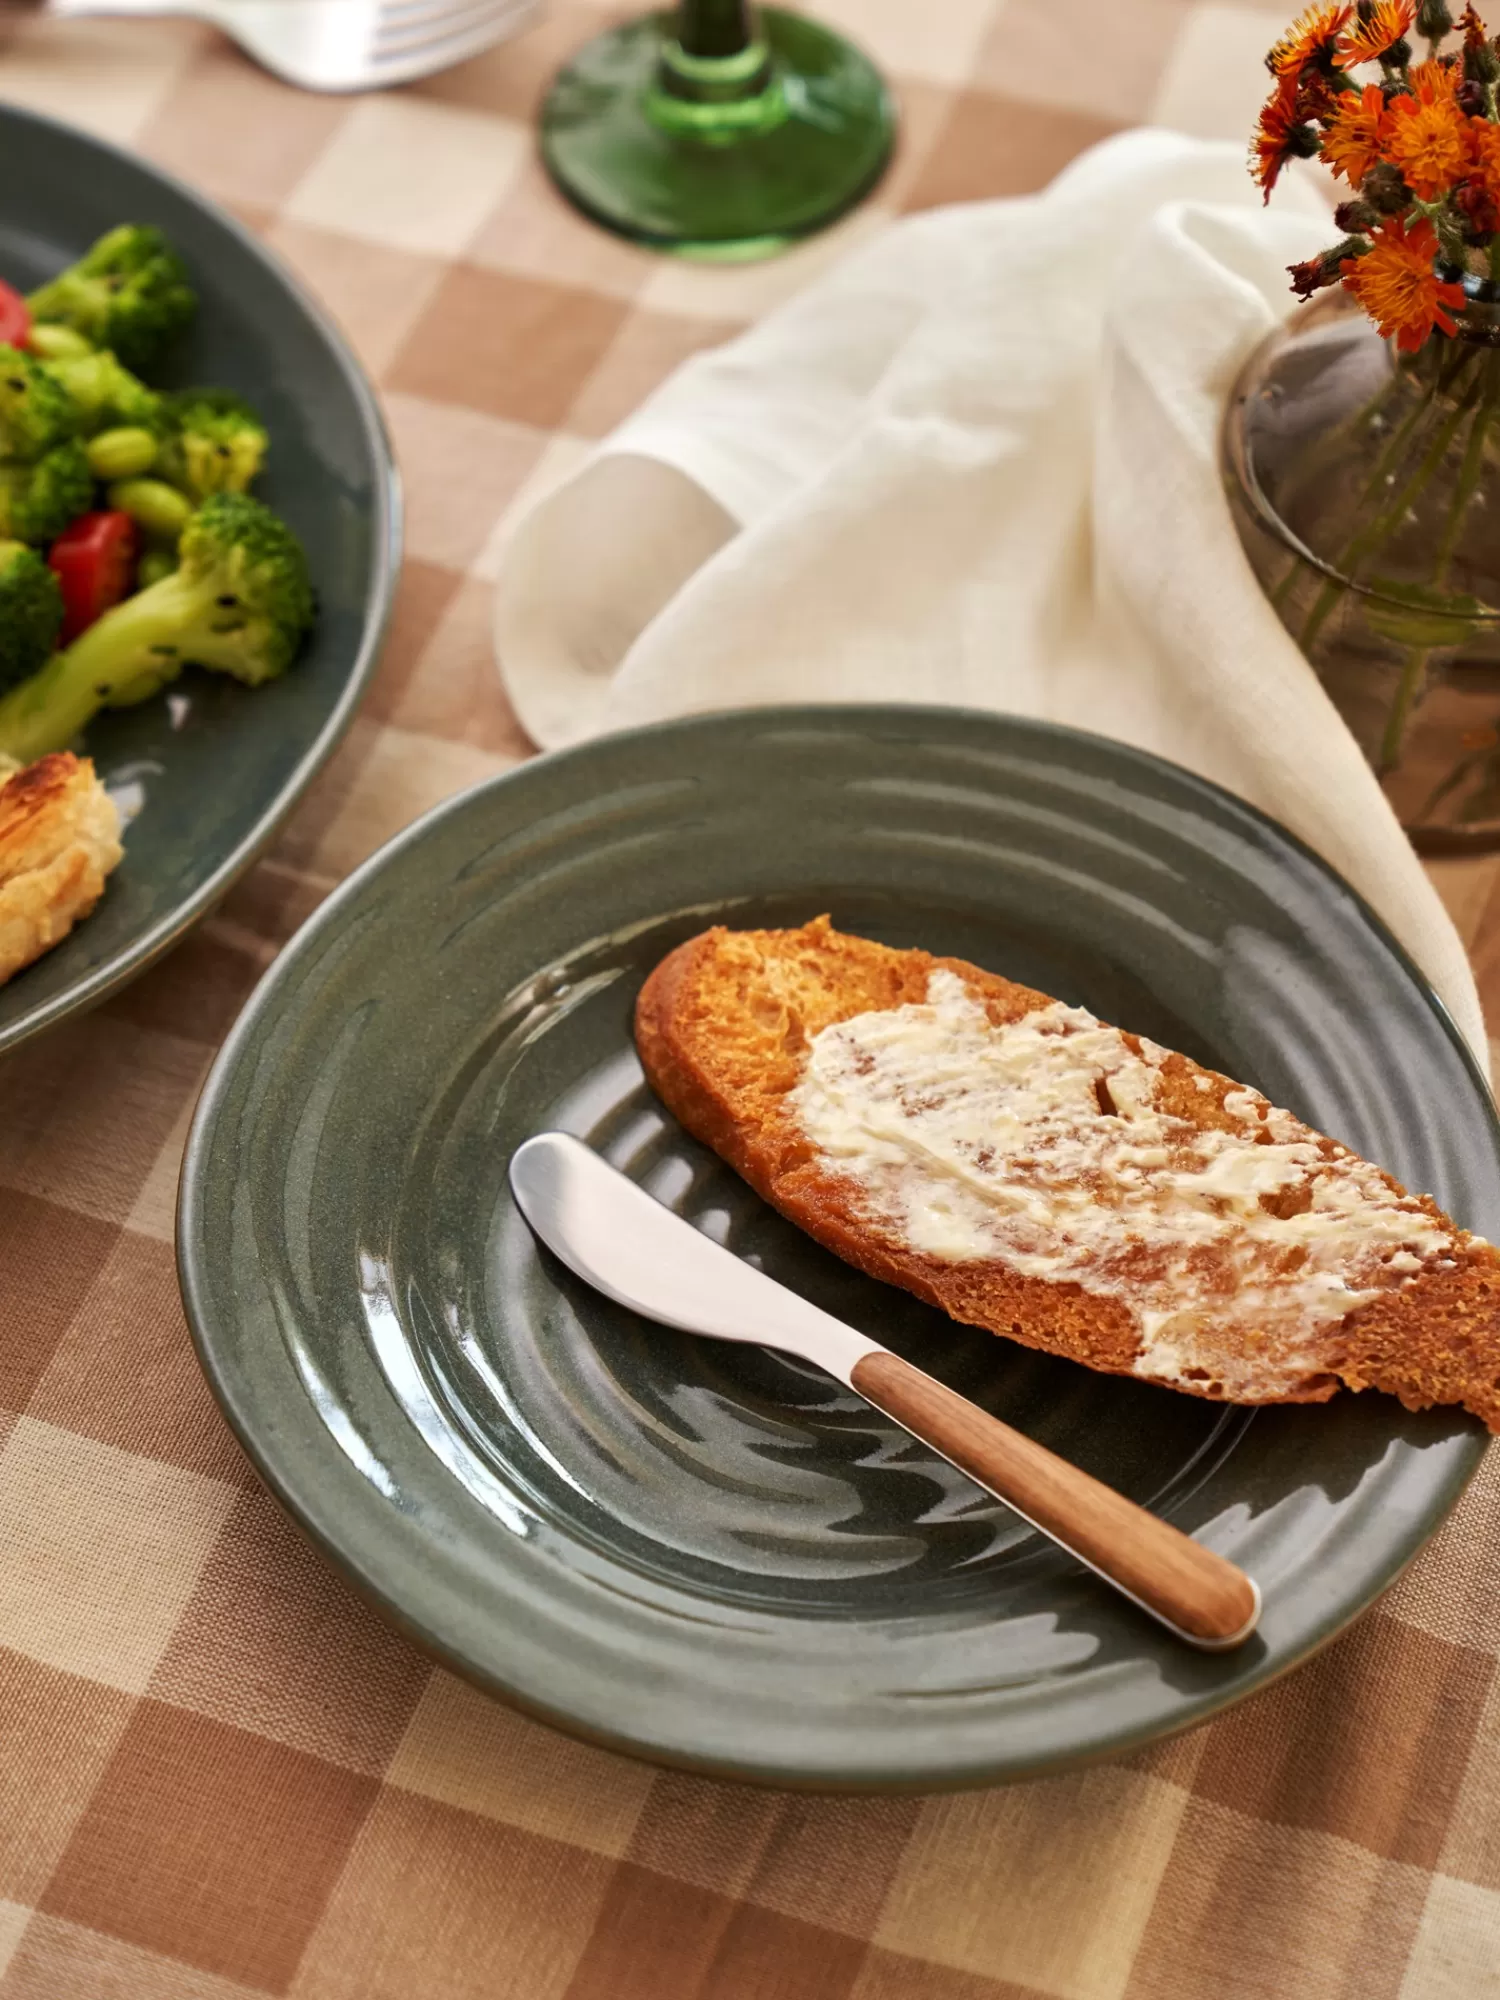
1030 1170
59 839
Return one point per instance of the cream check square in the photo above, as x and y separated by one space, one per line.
745 291
563 456
993 1883
1466 882
99 1551
461 469
410 175
1214 82
154 1212
1456 1955
466 1750
377 294
63 1961
1471 1848
403 775
459 1907
1031 52
937 42
13 1920
109 81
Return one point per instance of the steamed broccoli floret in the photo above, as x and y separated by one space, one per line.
214 443
104 395
31 613
38 501
239 602
129 293
36 411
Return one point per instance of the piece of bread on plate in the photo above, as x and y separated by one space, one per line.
59 840
1070 1185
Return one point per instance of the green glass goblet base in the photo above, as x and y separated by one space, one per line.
723 157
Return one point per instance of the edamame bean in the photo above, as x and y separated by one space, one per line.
123 453
159 510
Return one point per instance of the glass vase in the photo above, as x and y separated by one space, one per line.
717 130
1363 483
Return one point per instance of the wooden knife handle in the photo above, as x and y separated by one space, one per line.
1203 1597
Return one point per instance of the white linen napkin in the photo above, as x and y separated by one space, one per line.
976 463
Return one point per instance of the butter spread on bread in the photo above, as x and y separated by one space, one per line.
1078 1188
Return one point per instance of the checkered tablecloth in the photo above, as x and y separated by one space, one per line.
220 1775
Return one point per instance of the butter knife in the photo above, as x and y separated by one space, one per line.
628 1246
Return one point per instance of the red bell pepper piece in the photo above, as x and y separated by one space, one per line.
15 317
93 560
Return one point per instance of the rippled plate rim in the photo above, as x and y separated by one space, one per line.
135 958
362 1549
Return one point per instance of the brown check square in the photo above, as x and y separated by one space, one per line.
242 133
424 594
124 1373
1247 1911
210 1844
1001 145
58 1732
657 1935
42 1294
195 992
886 1975
274 1640
1300 1754
515 347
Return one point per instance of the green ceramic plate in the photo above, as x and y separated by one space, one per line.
206 774
714 1555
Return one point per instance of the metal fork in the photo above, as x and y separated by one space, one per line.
340 44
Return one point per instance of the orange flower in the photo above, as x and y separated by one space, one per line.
1366 39
1356 138
1427 139
1436 79
1484 155
1312 34
1279 137
1396 284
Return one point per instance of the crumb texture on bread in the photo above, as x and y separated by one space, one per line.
1031 1170
59 840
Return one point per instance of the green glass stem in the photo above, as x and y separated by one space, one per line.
713 27
718 131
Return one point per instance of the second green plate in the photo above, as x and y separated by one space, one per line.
716 1556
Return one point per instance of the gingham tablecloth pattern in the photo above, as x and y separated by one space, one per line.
220 1775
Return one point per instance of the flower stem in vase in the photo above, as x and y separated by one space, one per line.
1371 539
1413 677
1471 471
719 131
1414 669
